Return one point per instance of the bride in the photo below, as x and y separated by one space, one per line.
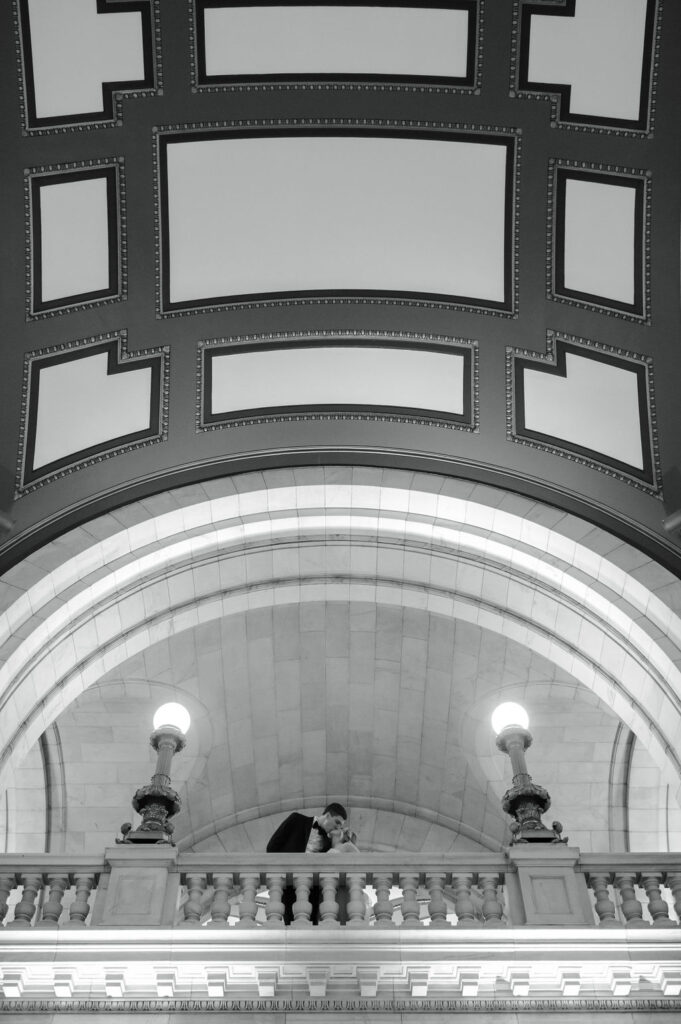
343 840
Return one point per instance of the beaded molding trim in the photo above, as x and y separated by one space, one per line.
67 305
260 126
628 175
382 338
26 480
642 365
472 1004
333 83
559 96
113 97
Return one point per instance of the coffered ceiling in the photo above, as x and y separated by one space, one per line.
442 235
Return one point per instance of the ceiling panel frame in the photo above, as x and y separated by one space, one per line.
559 95
641 180
113 170
471 83
119 360
510 138
209 348
113 93
558 345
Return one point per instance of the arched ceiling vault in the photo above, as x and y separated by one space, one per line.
484 559
221 255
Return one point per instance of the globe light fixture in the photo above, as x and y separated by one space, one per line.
525 801
174 715
158 802
508 714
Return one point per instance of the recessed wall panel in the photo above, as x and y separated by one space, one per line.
600 234
371 40
588 402
86 401
74 238
599 223
595 405
337 377
305 214
79 56
595 57
81 392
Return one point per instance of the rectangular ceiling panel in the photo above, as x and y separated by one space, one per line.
374 40
307 212
338 377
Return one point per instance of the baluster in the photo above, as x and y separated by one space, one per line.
220 905
356 904
463 904
275 906
631 908
657 906
410 906
674 884
80 908
329 907
52 910
383 908
7 886
492 907
605 908
25 909
248 908
193 907
302 908
437 907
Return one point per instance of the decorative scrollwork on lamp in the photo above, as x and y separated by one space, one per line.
525 801
157 802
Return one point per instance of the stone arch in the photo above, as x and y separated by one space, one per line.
453 552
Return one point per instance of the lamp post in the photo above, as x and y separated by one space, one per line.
158 801
525 800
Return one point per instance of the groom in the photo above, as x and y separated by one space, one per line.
301 834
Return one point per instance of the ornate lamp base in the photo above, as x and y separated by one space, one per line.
526 803
150 836
156 803
531 833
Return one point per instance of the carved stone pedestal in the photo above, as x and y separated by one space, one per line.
546 889
141 888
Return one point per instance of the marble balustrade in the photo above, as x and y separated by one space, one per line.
519 886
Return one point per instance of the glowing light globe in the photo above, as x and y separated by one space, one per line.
174 715
509 714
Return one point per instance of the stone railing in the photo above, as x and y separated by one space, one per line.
151 930
525 885
48 890
358 890
618 880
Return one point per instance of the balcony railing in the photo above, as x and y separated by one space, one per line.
522 886
149 929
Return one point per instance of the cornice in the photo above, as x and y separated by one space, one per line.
315 970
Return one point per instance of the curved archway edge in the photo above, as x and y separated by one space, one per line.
506 563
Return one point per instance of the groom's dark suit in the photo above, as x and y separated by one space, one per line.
292 837
293 834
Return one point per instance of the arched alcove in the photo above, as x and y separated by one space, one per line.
254 549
